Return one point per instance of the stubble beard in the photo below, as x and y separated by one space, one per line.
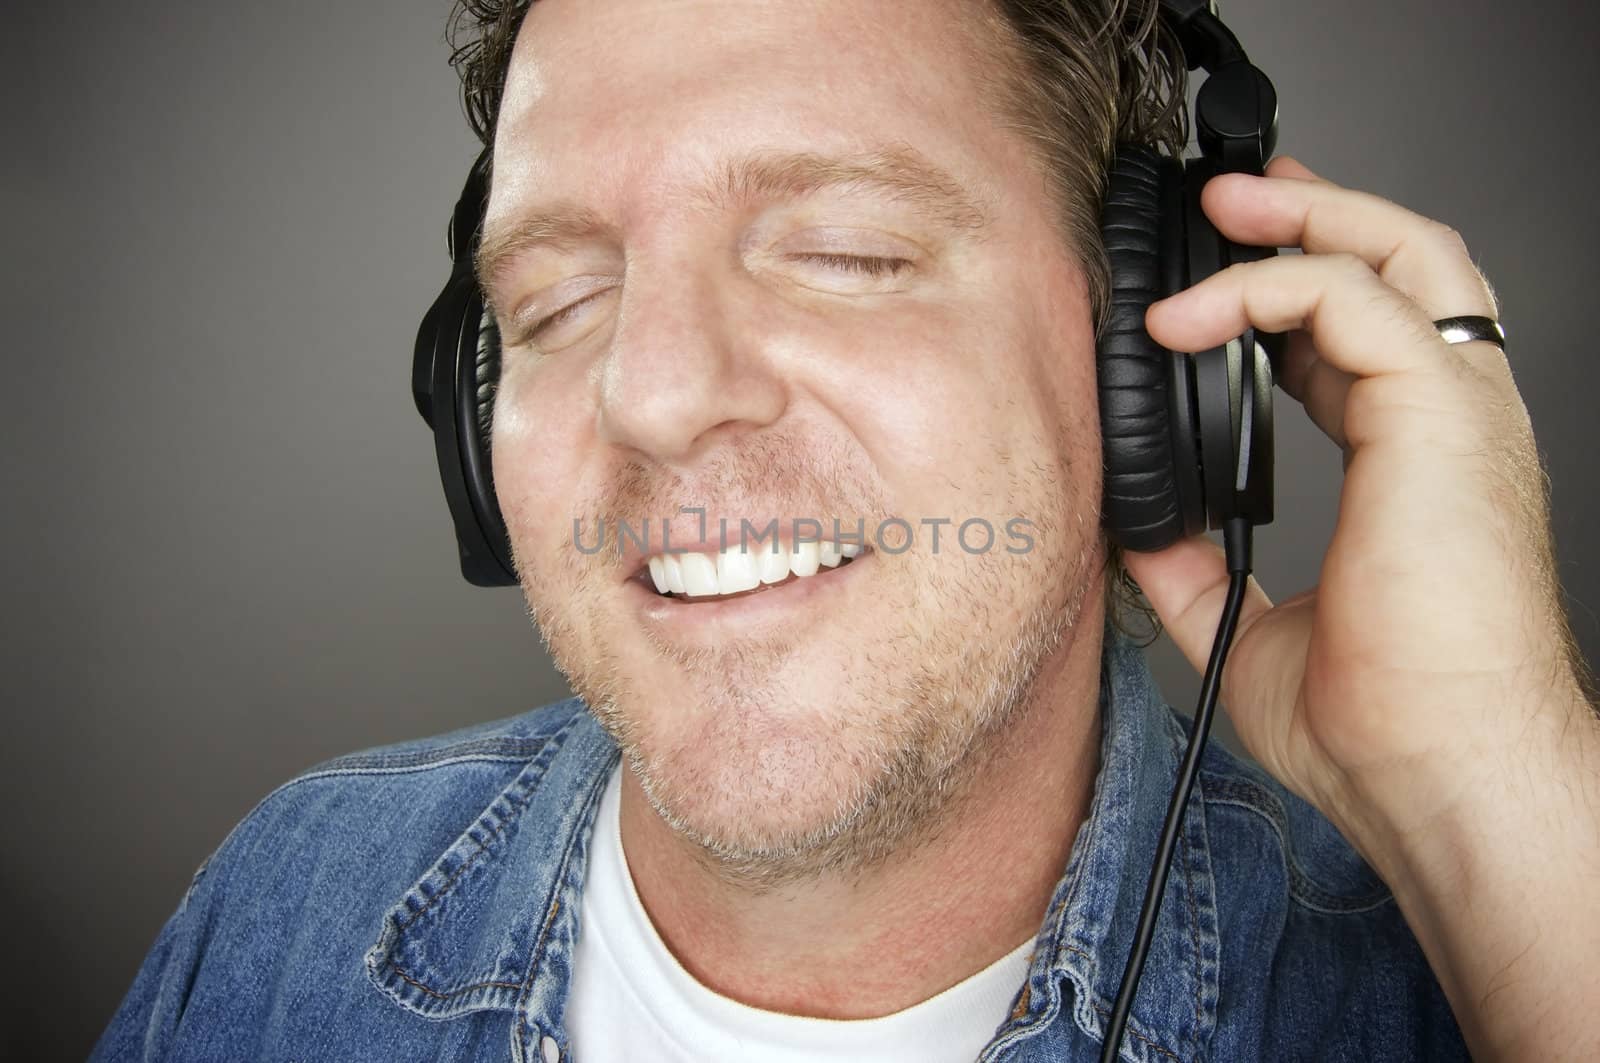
875 773
770 790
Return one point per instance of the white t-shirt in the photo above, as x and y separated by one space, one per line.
632 1000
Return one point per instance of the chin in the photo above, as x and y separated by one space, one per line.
763 793
781 778
746 750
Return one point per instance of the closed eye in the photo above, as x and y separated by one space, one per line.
565 313
862 265
530 334
869 265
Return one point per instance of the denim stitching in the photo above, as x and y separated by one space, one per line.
1133 1030
1088 830
397 969
1186 850
1022 1002
566 869
1070 947
516 807
1132 1027
523 1033
555 907
1194 923
509 748
1302 888
489 749
518 803
1020 1031
316 774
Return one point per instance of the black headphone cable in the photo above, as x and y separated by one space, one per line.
1236 535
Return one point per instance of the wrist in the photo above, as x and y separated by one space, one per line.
1491 855
1533 759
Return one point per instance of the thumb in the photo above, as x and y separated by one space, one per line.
1187 583
1288 166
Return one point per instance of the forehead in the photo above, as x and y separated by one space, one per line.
622 87
612 41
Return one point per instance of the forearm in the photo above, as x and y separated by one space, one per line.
1501 884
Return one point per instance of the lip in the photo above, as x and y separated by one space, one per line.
684 620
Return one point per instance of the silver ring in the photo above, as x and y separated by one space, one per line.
1466 329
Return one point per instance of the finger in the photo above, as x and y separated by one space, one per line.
1358 323
1321 388
1421 257
1291 168
1187 583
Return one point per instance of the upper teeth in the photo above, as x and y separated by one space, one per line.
734 569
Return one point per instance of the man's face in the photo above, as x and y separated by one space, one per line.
800 271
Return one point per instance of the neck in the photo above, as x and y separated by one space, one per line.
879 941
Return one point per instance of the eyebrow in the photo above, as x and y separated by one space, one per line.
902 174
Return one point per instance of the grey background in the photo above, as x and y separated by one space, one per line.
226 549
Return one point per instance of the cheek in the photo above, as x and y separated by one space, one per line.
1052 407
537 458
1065 382
953 404
539 476
917 387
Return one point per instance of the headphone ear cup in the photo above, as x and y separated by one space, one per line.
459 351
455 374
479 355
486 371
1152 491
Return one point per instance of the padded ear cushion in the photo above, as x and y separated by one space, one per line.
1143 505
487 374
486 381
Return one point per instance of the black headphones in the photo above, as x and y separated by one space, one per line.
1187 439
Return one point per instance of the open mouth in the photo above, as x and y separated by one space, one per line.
741 571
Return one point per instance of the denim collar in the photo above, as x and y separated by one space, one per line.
493 924
1089 926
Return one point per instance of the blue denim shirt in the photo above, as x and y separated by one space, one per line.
422 902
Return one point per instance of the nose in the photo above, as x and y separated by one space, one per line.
685 366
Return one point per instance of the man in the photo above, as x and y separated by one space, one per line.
837 260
